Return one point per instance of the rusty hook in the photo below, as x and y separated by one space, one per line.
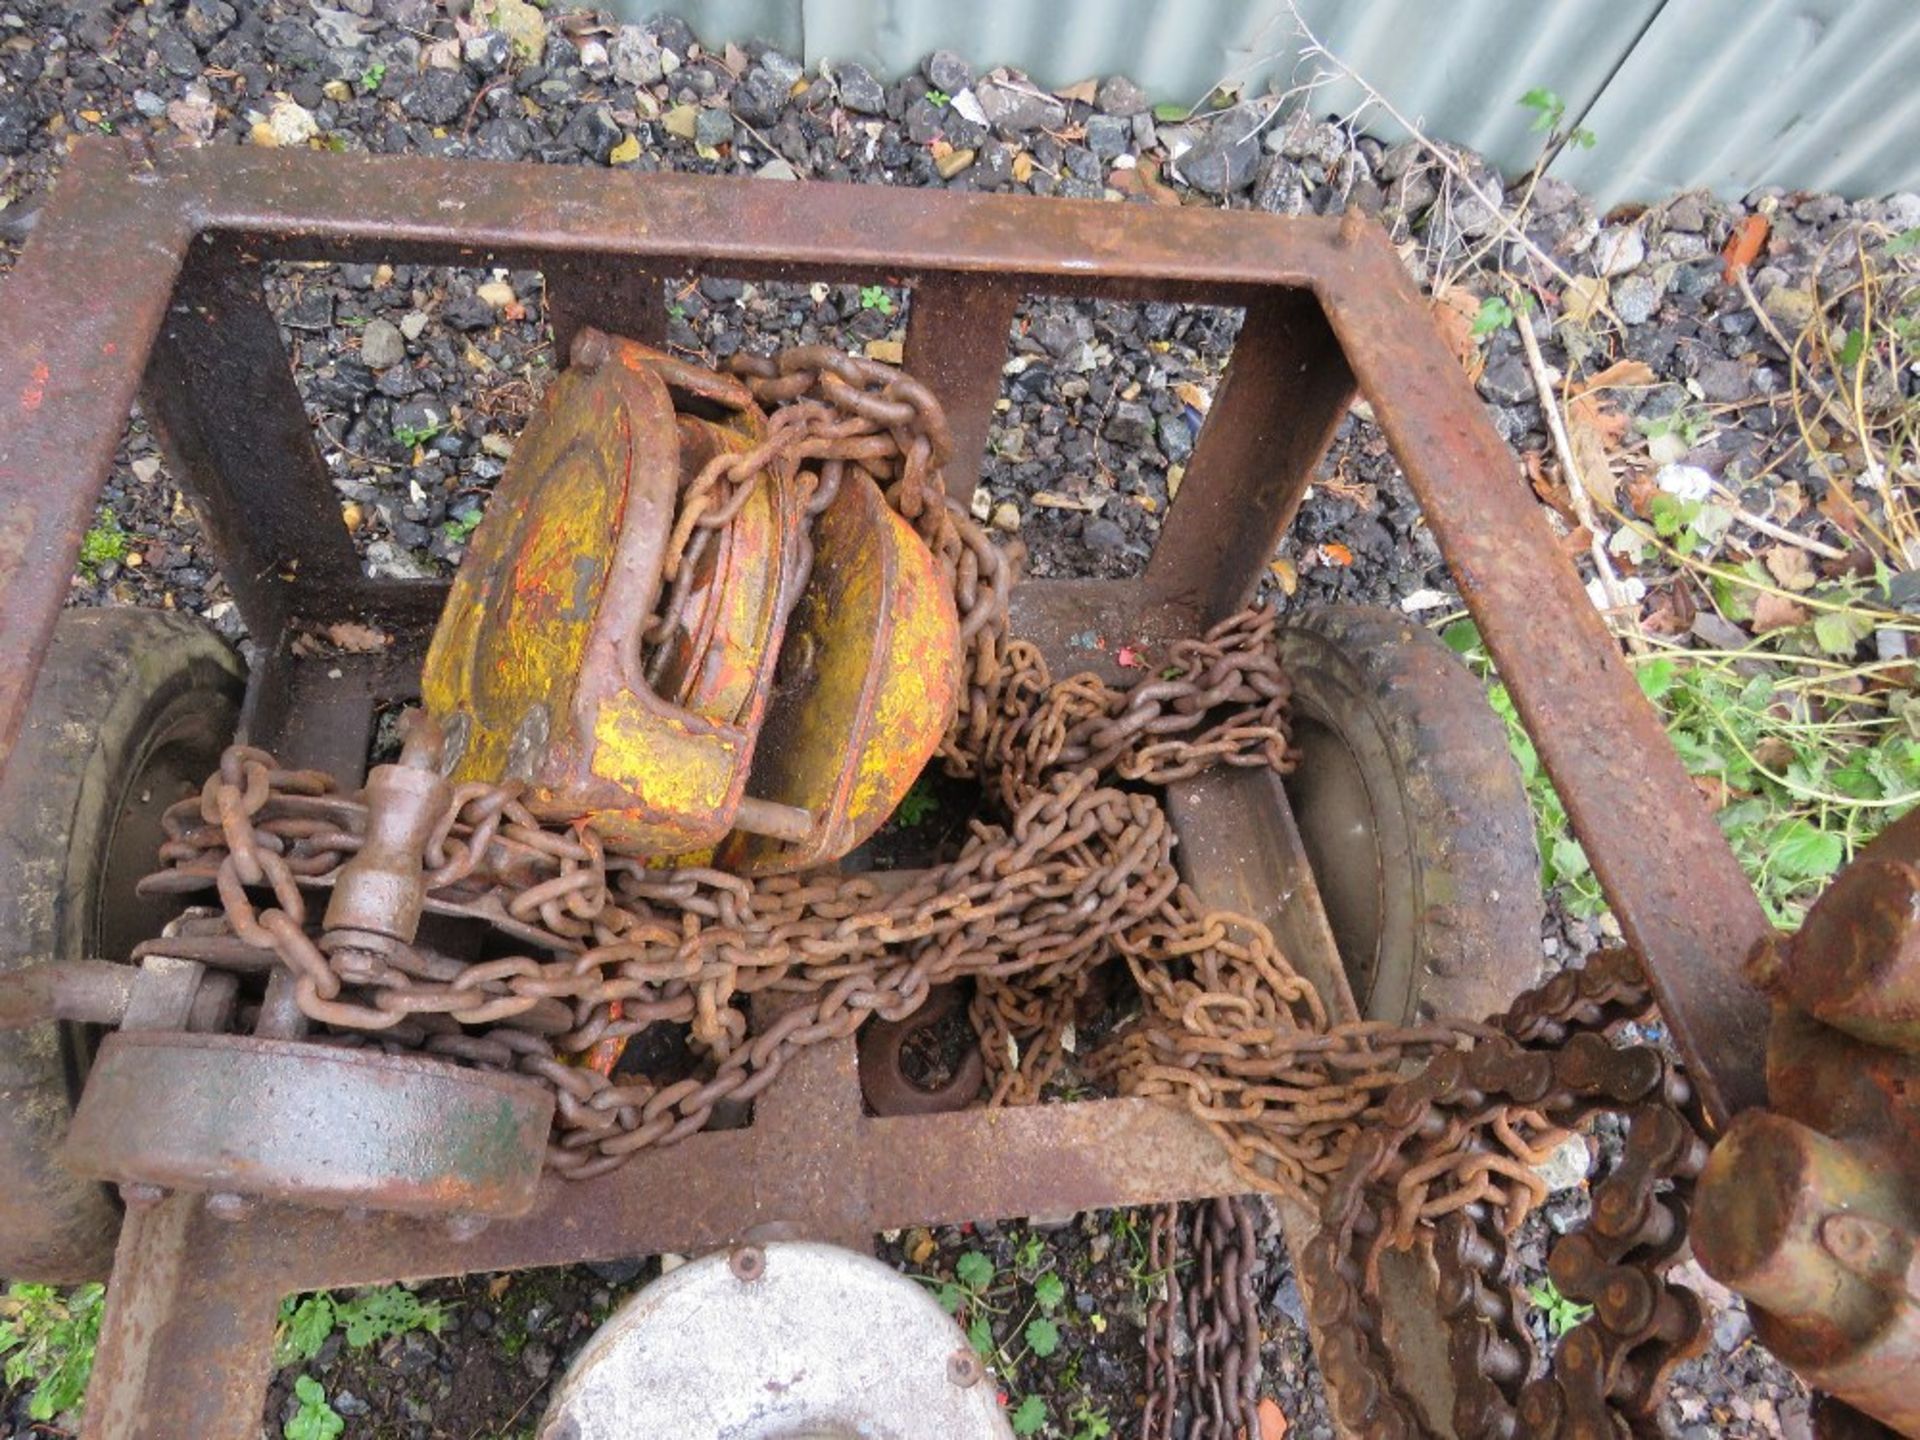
884 1080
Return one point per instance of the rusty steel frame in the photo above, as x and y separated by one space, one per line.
143 281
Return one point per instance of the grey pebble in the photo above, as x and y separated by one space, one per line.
382 345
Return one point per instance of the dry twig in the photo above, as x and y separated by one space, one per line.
1617 601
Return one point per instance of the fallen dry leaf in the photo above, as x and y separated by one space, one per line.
1775 612
1083 91
1594 430
1191 394
1550 491
1054 500
887 352
1790 566
1744 245
1454 311
1334 553
1586 297
1157 190
1621 375
1839 506
1273 1420
345 637
1284 575
1714 790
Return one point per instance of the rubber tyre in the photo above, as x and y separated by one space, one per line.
129 713
1414 817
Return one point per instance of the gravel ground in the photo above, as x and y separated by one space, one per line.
418 380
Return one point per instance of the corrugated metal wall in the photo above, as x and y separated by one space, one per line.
1729 94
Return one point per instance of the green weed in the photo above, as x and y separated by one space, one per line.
875 297
48 1340
1562 1314
917 805
1029 1417
105 543
411 437
315 1419
1550 112
1494 314
1800 773
365 1318
371 77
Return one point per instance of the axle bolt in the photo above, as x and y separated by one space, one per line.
747 1262
591 349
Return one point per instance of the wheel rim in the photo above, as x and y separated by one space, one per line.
1340 831
178 756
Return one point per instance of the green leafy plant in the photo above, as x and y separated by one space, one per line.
1675 520
48 1340
411 437
315 1419
1494 314
372 76
1686 424
1799 793
364 1319
1089 1423
1562 862
918 805
459 528
939 97
1029 1417
1042 1336
1562 1314
105 543
1030 1253
1797 790
875 297
1049 1291
1550 112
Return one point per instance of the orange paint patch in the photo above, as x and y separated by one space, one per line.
36 391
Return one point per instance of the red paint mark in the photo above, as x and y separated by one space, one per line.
110 348
36 390
1129 658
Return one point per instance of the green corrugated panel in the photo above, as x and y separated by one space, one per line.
1814 94
1734 94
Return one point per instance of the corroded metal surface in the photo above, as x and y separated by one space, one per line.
1433 1191
228 1114
1811 1208
65 389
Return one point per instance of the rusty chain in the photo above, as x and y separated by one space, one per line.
1203 1329
1068 867
1451 1158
